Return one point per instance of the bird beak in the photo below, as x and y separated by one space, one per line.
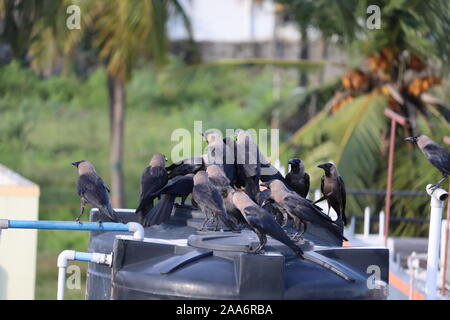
410 139
290 162
321 166
202 133
76 163
264 184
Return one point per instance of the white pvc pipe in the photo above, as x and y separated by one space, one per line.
381 225
68 255
438 196
366 222
138 230
62 263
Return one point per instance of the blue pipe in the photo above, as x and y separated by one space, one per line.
67 225
83 256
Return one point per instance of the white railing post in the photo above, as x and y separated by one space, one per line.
413 265
366 222
352 226
381 225
438 196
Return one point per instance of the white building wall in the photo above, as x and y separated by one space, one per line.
19 199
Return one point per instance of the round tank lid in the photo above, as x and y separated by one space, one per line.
245 241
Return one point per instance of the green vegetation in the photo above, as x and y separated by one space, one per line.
48 119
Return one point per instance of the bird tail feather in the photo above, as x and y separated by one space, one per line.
109 212
160 213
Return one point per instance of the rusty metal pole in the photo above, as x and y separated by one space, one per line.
395 118
444 267
387 209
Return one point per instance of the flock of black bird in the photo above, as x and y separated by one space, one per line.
233 183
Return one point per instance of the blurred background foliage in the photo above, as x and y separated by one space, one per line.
54 112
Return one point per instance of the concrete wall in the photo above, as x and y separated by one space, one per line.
19 200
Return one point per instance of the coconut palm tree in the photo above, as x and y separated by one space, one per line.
399 66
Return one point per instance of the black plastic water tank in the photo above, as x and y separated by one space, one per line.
183 223
221 265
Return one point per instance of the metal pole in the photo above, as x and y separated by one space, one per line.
438 196
445 258
395 118
389 180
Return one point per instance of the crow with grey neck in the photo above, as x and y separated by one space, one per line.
209 200
219 153
262 222
153 178
219 180
301 210
297 179
333 190
437 155
248 163
180 186
92 190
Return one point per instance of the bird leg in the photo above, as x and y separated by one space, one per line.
438 184
183 200
321 199
204 223
183 204
82 204
284 214
298 235
217 224
262 241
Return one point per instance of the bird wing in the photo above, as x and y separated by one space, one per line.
322 184
263 196
180 185
305 209
152 179
288 178
209 197
343 198
264 222
342 192
438 156
307 184
91 187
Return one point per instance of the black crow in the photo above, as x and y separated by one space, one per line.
333 190
297 179
209 200
303 211
437 155
92 190
153 178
